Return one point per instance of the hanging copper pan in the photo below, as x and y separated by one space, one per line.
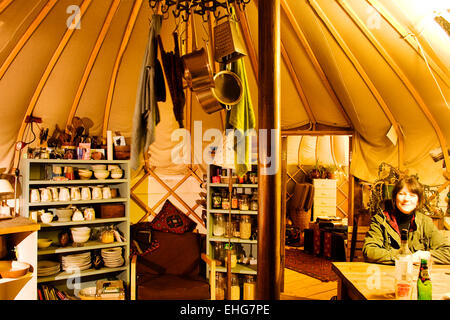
227 87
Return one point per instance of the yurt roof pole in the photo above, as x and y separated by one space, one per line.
26 36
123 47
302 38
94 54
321 14
243 22
402 77
405 34
269 202
47 73
4 4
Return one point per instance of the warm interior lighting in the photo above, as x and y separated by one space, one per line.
5 190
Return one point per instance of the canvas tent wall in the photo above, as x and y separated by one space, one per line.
366 66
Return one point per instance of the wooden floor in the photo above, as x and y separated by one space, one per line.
298 286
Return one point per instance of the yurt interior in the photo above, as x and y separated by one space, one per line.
224 149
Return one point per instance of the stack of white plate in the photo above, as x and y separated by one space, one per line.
112 257
48 268
76 262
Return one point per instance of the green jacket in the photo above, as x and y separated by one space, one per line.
382 241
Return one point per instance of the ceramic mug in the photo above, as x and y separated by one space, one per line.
106 192
46 195
35 197
64 194
75 194
89 214
85 193
97 193
77 216
55 194
46 217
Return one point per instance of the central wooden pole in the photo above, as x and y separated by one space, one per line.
269 217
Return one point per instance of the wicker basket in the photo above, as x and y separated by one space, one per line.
300 219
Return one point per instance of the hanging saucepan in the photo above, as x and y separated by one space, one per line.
227 87
208 101
197 70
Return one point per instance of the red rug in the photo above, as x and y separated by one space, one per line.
316 267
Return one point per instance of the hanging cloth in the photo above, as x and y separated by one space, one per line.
151 89
241 117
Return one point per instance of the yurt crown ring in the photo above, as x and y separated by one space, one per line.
201 7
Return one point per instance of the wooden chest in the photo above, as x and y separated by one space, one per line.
115 210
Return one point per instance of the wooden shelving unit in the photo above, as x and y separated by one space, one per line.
36 175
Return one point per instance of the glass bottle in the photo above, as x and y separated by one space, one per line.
233 257
235 288
219 225
403 269
245 227
254 202
249 287
424 287
235 228
244 205
234 200
220 286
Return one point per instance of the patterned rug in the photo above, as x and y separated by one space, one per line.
316 267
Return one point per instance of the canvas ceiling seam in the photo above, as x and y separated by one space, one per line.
125 40
322 76
405 35
26 36
92 58
297 85
398 71
372 88
48 70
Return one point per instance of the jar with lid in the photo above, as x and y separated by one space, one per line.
218 252
235 228
254 202
216 200
249 287
245 227
234 200
225 201
244 204
235 288
221 285
233 256
228 227
219 225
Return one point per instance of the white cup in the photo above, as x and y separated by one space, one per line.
97 193
46 217
46 195
75 194
106 192
64 194
85 193
34 196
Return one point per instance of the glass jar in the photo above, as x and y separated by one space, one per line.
233 256
216 200
235 228
245 227
221 285
228 228
218 252
249 287
244 205
234 200
225 201
235 288
254 202
219 225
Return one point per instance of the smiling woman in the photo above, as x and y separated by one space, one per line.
382 242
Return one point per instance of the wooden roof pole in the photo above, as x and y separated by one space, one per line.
269 191
26 36
117 63
302 38
48 71
4 4
423 106
297 84
321 14
87 71
405 34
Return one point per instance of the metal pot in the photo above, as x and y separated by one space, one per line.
227 87
208 101
197 70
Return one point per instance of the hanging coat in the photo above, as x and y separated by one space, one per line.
151 89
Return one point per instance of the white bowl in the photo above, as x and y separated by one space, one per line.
85 175
112 167
44 243
80 238
98 167
64 215
81 229
101 174
46 217
116 174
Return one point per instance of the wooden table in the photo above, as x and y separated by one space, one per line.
368 281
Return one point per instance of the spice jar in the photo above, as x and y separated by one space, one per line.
244 205
219 225
220 286
234 200
235 289
249 287
217 200
245 227
235 229
225 201
254 202
233 257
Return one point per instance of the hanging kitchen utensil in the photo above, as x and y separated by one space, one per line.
227 87
227 39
